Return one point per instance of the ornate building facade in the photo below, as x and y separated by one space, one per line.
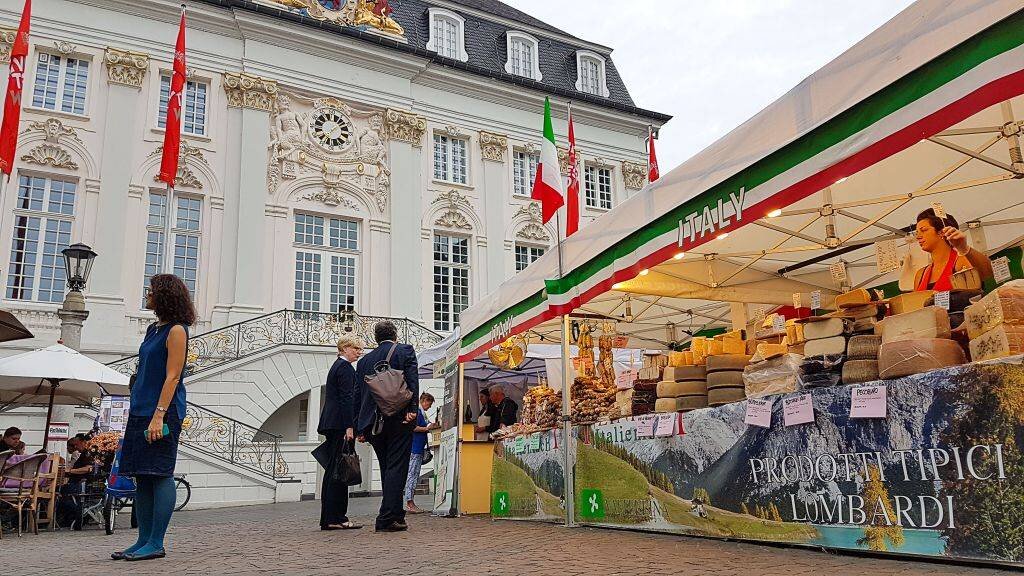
337 155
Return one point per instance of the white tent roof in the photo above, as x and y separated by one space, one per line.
24 378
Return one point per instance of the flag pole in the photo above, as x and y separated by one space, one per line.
167 266
567 440
647 152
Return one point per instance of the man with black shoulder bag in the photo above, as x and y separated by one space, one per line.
387 382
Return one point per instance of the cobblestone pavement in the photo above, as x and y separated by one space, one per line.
285 539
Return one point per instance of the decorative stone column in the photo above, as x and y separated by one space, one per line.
404 131
7 36
250 101
494 195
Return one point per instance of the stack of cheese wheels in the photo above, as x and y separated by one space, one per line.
916 342
683 388
725 378
995 324
861 359
824 351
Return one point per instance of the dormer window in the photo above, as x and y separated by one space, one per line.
590 78
523 56
447 34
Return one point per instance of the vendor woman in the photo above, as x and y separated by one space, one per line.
947 247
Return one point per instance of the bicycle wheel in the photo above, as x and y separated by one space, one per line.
183 491
109 514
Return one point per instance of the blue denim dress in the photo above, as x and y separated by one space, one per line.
139 457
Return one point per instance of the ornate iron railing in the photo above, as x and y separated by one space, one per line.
228 439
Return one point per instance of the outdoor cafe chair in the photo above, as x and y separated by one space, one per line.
4 456
18 484
46 490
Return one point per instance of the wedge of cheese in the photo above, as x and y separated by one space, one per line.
733 335
766 350
825 346
930 322
715 348
907 357
734 347
1003 305
857 297
825 328
677 359
1002 341
681 373
910 301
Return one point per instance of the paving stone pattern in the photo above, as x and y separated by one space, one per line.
285 539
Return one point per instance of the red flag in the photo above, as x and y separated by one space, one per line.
572 208
172 134
652 159
12 100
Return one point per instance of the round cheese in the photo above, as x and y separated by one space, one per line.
679 404
676 389
863 347
727 362
858 371
720 396
680 373
725 378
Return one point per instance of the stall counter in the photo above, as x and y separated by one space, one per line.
475 462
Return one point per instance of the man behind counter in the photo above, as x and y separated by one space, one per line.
506 411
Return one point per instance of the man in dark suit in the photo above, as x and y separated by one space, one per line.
391 437
337 423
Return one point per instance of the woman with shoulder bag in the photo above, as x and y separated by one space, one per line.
157 407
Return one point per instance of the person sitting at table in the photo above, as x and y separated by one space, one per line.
79 469
949 253
506 411
12 441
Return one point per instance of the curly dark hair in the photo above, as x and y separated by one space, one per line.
936 222
171 301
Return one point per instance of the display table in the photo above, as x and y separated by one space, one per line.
475 464
941 474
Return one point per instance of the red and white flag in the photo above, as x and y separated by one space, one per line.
652 158
547 187
172 134
572 206
12 99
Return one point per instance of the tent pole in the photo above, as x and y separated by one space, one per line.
569 492
49 414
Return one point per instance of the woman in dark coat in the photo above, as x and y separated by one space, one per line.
337 422
150 445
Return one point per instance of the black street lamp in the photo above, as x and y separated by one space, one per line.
78 264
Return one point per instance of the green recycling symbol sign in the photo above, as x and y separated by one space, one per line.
592 503
501 504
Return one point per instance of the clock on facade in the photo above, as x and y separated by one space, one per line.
330 129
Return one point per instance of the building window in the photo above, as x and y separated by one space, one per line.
186 231
524 172
304 414
591 78
451 280
450 160
523 58
526 255
326 261
447 34
61 83
597 185
43 217
193 121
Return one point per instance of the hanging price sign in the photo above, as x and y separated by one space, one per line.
838 271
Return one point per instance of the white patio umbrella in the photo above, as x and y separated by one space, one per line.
56 374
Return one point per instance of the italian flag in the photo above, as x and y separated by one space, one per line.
547 188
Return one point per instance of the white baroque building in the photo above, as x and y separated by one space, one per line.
331 160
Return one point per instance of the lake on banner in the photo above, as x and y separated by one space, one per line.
928 542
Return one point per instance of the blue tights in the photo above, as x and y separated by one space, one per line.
154 503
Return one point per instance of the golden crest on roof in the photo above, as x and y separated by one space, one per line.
372 14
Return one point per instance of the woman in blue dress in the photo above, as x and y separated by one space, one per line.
157 407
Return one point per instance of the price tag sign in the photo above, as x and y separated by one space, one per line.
520 445
759 316
816 299
645 425
939 210
797 300
886 256
624 380
838 272
535 442
779 323
666 425
1001 269
942 300
797 409
868 401
759 412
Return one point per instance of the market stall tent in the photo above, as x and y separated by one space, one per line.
925 109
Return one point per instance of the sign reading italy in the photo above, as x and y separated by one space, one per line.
713 217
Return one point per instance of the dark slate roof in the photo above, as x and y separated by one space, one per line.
486 46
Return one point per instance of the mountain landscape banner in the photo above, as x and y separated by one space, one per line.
942 474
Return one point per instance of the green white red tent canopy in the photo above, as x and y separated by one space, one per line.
920 111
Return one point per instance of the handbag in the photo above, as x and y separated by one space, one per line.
428 455
388 388
345 468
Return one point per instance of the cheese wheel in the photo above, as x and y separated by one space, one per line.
906 357
825 346
909 302
930 322
1002 341
724 378
857 371
680 373
680 404
720 396
677 389
825 328
1004 304
857 297
727 362
863 347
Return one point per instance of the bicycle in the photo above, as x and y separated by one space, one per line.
120 493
